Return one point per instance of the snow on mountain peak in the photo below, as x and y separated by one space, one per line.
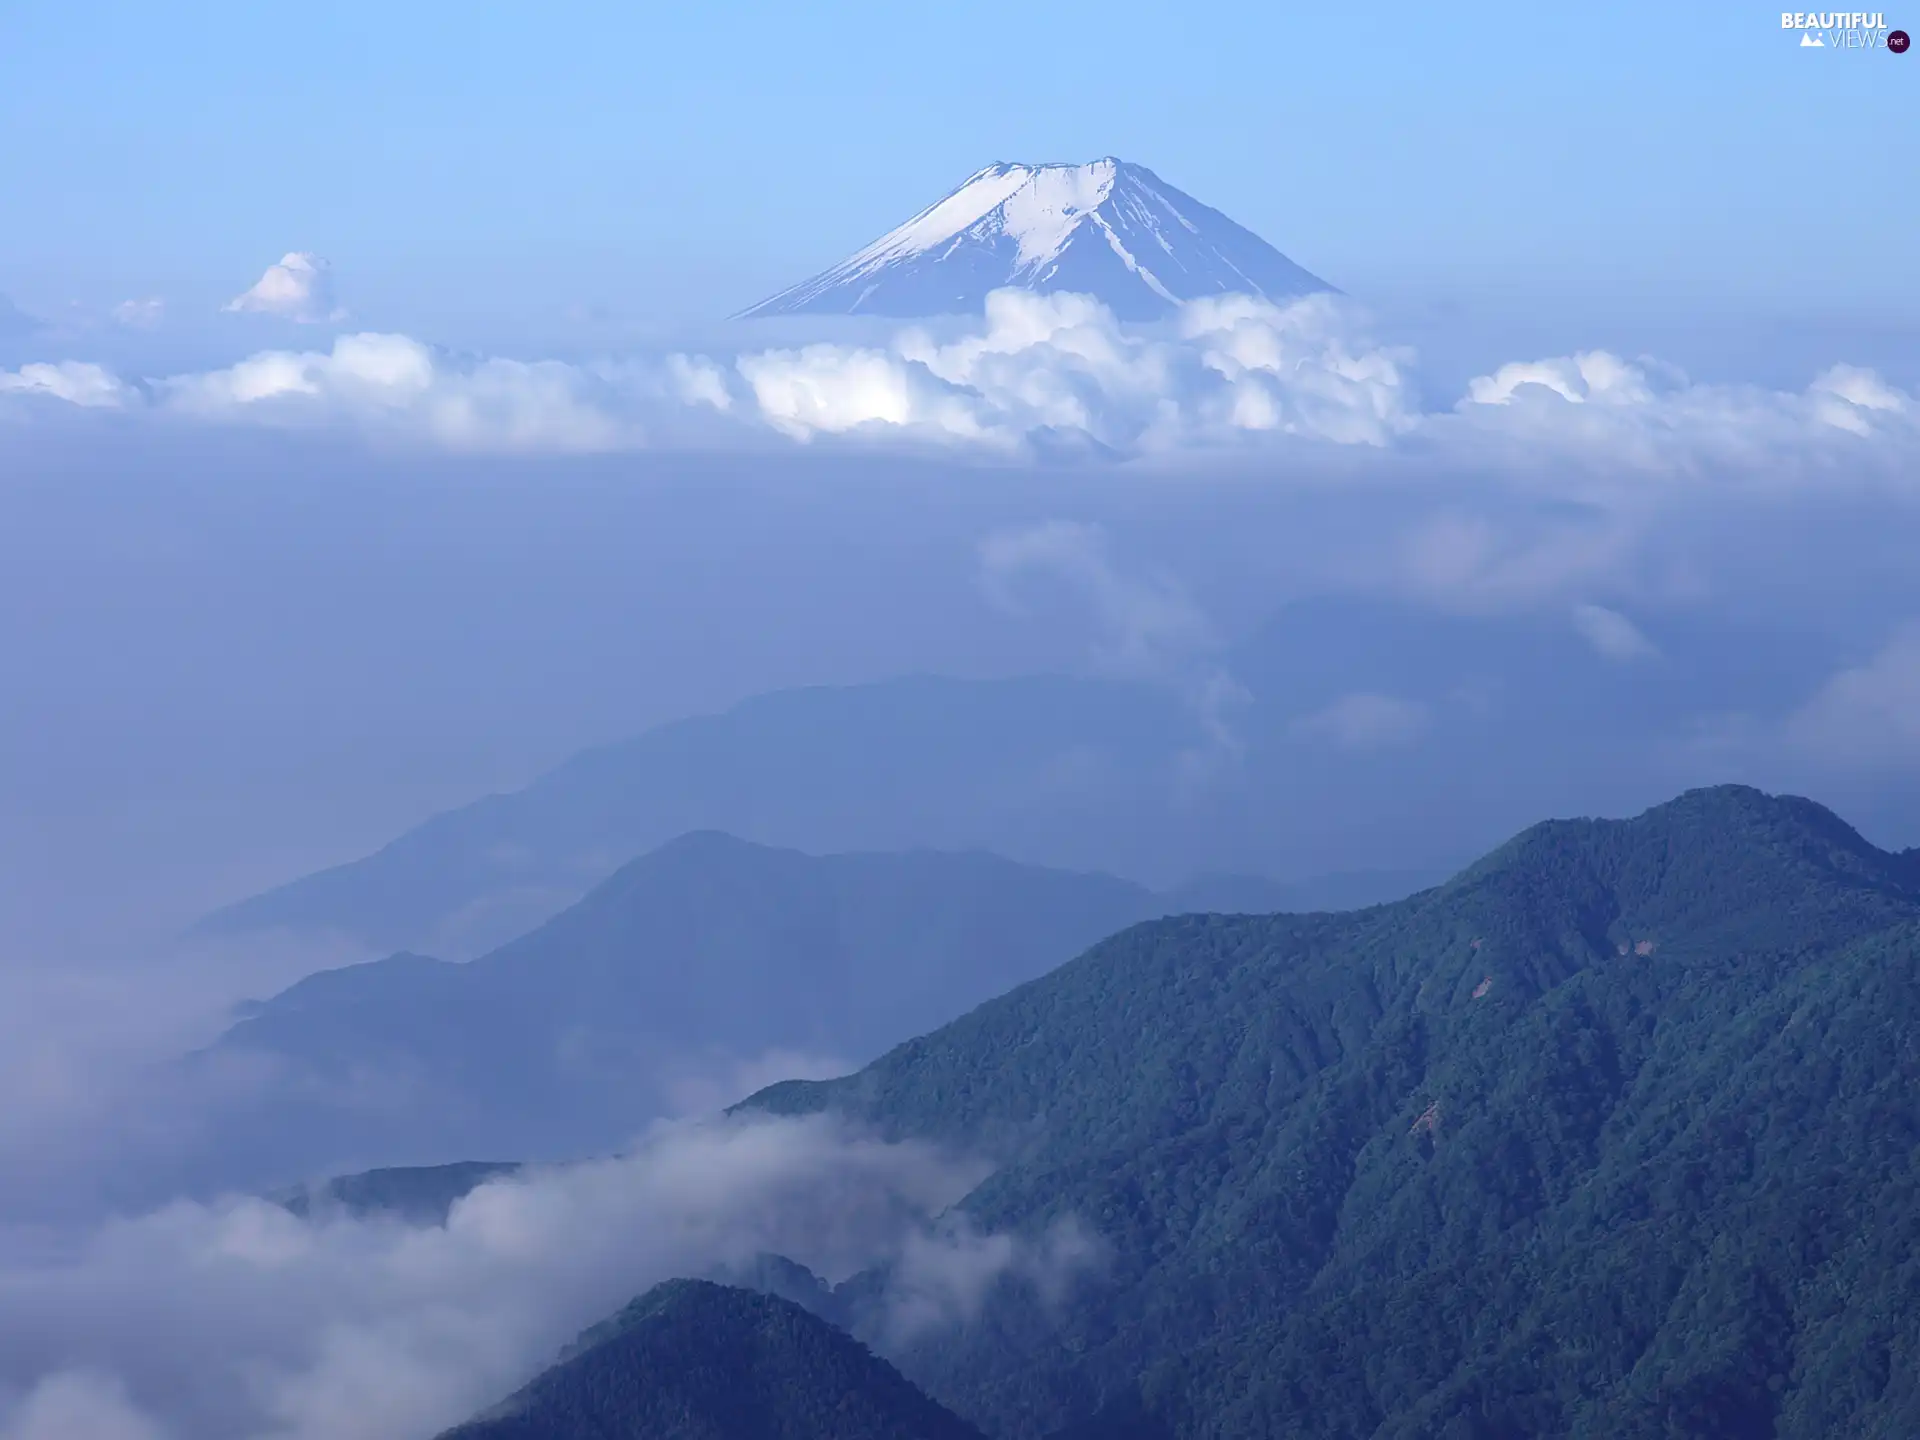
1109 228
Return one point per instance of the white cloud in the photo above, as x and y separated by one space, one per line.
1058 374
141 314
237 1318
1646 419
1366 720
1061 363
395 385
299 288
1594 376
827 388
1853 399
696 380
1611 633
1300 369
77 382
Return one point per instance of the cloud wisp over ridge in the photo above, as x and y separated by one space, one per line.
239 1319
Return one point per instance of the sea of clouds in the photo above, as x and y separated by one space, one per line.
1036 374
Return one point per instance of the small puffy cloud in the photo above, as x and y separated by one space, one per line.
299 288
1612 634
140 314
77 382
1867 715
1366 720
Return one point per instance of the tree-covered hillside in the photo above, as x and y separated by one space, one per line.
1615 1135
690 1360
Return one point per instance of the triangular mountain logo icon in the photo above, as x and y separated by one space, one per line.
1810 41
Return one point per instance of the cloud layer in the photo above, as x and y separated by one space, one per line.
237 1319
1598 409
393 386
1061 365
1054 375
74 382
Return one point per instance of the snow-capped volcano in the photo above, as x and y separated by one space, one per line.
1109 229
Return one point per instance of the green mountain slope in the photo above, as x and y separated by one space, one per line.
691 1360
1617 1134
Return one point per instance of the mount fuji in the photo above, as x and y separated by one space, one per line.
1109 229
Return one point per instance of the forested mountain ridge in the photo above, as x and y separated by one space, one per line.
1616 1134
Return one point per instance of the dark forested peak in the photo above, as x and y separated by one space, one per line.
692 1360
1785 830
1722 861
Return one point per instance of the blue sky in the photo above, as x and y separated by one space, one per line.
673 162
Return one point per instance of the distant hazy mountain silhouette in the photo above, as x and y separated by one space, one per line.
1373 736
687 978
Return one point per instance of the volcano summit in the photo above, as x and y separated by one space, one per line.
1109 229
